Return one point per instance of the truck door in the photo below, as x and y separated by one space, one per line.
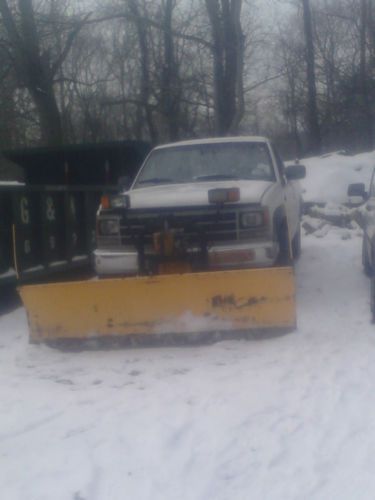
290 194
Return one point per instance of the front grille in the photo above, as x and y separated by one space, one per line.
212 225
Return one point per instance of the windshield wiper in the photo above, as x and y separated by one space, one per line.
156 180
215 177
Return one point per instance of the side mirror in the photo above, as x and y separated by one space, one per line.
295 172
124 182
357 189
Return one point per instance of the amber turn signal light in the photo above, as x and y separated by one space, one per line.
104 201
223 195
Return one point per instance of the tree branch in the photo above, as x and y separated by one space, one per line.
116 102
72 35
152 23
262 82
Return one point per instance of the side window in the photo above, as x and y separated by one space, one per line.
279 164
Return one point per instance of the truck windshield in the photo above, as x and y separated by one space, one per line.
207 162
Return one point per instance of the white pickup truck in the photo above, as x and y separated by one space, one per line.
211 204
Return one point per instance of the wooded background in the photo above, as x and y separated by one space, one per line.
299 71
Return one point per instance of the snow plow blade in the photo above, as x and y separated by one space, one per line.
194 303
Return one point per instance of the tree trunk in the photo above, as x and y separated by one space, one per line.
312 109
364 83
145 68
227 53
294 117
48 111
33 69
239 55
170 81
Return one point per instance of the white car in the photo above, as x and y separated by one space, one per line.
228 202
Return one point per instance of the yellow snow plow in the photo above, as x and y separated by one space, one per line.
180 304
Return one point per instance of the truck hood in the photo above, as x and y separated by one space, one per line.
194 194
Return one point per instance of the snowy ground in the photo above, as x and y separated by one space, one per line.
328 176
280 419
285 418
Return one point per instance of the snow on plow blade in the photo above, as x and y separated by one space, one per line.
246 300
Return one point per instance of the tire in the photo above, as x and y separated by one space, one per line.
367 268
284 258
296 244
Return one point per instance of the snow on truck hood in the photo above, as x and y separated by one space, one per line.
194 194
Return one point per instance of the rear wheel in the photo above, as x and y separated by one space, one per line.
284 257
296 243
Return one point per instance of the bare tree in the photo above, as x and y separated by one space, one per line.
364 75
312 108
34 67
170 83
227 54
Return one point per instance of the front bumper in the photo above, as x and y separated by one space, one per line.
239 256
111 263
243 255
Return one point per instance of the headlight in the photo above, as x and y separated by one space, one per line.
109 226
118 201
252 219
